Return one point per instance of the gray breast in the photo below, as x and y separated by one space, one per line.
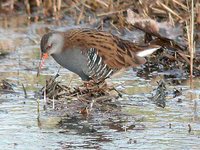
88 66
74 61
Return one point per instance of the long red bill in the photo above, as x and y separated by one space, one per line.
41 63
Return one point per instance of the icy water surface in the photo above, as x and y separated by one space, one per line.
138 124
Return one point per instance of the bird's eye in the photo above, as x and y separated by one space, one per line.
48 47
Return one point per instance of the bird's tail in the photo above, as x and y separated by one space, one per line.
148 50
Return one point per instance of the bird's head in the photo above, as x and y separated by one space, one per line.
51 43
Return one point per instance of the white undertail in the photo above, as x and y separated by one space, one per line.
147 52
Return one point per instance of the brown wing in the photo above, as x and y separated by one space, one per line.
115 52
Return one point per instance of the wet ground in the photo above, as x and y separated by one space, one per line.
137 124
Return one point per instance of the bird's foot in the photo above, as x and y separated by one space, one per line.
89 83
92 83
95 86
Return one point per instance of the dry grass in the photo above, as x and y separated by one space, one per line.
56 94
190 35
175 12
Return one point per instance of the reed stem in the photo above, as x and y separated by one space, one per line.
191 44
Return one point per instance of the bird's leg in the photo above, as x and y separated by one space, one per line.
94 85
89 83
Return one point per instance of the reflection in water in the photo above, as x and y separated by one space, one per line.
22 126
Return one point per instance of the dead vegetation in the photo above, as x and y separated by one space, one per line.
57 95
5 87
173 24
160 96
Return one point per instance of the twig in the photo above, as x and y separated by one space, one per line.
192 49
80 15
111 13
26 2
53 103
120 95
24 89
38 108
45 97
102 3
189 128
91 105
180 4
170 10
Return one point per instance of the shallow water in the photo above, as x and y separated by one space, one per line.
138 124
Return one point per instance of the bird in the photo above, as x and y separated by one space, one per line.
93 54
